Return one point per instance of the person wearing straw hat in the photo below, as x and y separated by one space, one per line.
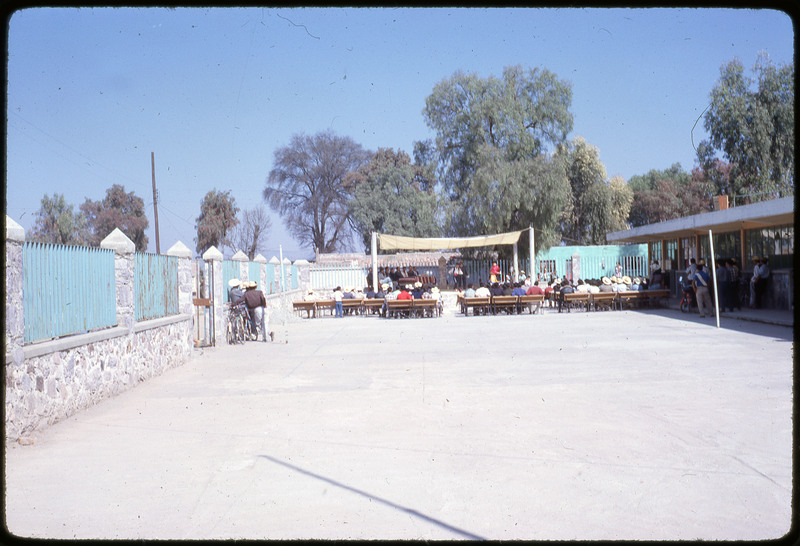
606 285
234 290
256 308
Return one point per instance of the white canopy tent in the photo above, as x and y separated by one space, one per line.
401 242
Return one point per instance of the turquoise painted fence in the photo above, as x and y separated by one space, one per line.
254 274
155 286
595 262
230 270
67 290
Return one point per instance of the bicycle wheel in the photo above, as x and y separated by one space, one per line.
229 335
240 329
684 304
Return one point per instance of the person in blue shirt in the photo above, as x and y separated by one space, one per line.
701 282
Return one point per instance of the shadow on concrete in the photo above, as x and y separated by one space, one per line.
730 321
390 504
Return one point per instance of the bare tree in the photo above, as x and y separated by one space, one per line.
308 187
250 233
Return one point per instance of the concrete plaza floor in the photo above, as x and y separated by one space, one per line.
603 425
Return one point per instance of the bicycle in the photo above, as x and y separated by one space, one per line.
238 329
688 301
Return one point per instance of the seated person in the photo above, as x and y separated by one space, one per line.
404 294
482 291
496 290
565 289
508 288
607 285
469 292
582 287
417 290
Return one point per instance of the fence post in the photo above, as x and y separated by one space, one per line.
244 273
304 274
185 280
275 264
576 267
262 273
124 267
214 255
15 311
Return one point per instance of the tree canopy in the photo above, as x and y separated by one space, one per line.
597 205
492 139
308 187
118 209
217 218
392 195
751 123
664 195
57 223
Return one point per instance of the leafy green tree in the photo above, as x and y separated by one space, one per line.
664 195
118 209
57 223
512 195
217 218
751 123
492 129
597 205
308 187
392 195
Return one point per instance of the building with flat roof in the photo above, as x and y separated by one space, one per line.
764 229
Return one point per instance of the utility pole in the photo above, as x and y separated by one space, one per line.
155 200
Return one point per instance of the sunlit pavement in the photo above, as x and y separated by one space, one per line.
603 425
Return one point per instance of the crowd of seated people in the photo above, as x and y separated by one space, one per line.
555 288
416 291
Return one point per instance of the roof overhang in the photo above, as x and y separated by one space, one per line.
765 214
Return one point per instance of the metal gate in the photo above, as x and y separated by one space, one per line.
203 300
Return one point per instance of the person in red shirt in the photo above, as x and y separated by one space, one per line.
405 294
534 290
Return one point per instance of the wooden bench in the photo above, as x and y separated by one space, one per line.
530 301
656 297
398 308
575 299
352 305
477 305
603 300
372 305
425 307
504 303
310 307
631 298
326 305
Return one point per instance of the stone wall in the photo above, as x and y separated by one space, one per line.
48 381
52 386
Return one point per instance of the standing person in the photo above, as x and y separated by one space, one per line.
692 269
337 302
494 273
734 271
234 290
656 277
724 286
754 280
618 271
700 283
256 308
458 276
761 285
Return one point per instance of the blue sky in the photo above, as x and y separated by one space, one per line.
214 92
